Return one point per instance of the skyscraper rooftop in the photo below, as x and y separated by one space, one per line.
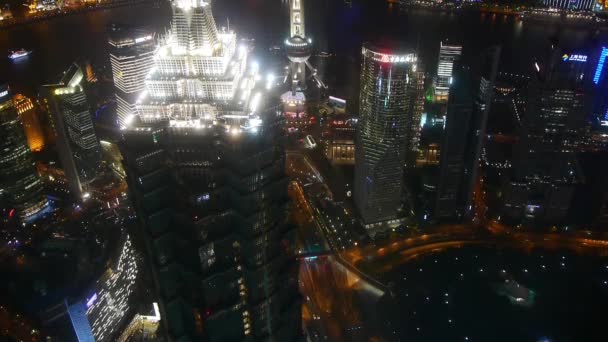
202 77
205 162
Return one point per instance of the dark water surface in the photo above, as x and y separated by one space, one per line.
464 293
334 26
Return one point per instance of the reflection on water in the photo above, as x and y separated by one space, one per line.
59 41
498 295
335 26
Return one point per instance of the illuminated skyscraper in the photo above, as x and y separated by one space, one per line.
448 55
132 57
77 145
388 88
204 157
109 304
107 307
21 191
31 123
468 107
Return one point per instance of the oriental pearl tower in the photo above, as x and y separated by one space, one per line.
298 48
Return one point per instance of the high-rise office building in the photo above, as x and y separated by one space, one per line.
21 191
448 55
469 102
204 157
77 144
31 122
131 57
553 130
387 100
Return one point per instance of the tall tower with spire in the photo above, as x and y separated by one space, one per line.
205 162
298 48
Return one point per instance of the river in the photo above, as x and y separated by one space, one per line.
334 25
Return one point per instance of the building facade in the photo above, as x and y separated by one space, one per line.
553 131
387 100
21 190
31 122
131 57
110 302
204 157
463 138
448 55
414 127
77 144
340 140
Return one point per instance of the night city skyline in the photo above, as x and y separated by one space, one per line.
303 170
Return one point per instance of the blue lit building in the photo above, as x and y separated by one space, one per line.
573 5
103 312
600 83
80 322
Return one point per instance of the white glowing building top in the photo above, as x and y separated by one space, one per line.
200 76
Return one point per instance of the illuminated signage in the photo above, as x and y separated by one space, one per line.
91 301
578 58
397 59
387 58
600 65
574 58
3 93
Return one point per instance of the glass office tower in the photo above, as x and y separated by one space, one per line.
553 131
448 55
77 144
21 191
468 107
131 57
387 112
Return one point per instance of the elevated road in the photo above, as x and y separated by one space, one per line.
377 260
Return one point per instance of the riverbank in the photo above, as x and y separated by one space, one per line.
520 12
49 15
